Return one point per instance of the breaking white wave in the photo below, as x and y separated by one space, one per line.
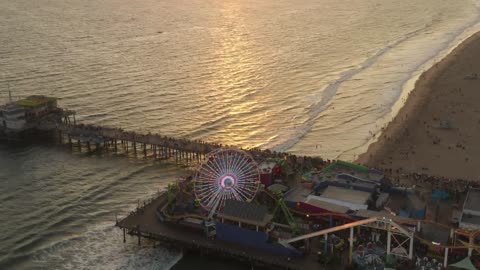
102 247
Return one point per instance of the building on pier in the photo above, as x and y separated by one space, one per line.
12 117
471 210
32 112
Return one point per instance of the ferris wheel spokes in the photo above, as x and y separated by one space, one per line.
226 174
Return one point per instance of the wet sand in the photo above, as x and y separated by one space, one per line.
437 132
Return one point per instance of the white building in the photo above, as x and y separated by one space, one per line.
17 116
348 198
12 117
471 210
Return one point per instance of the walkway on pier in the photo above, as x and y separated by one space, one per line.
101 134
148 145
156 145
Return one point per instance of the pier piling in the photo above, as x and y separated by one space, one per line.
139 236
181 151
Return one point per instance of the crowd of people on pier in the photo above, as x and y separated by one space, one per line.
296 163
454 185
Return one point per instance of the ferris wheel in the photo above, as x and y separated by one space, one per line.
226 173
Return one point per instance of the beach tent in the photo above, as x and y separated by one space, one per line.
464 264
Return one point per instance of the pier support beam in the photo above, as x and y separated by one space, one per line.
326 243
389 240
124 240
350 240
445 258
470 243
410 248
139 237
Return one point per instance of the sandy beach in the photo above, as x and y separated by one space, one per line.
437 132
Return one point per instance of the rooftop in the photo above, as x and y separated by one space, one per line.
344 164
244 212
349 180
298 194
471 209
347 195
472 202
313 200
470 219
34 101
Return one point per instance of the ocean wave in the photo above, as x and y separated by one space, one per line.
322 99
412 75
100 245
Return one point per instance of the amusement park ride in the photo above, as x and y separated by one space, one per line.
226 200
226 174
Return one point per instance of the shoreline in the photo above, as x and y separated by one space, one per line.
439 133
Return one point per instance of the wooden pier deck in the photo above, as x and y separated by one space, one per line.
144 223
60 124
155 146
148 145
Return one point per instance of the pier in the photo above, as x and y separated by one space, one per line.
36 116
153 146
260 207
145 222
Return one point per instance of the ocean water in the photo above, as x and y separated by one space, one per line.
309 77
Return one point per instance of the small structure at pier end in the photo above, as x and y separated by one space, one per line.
31 114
